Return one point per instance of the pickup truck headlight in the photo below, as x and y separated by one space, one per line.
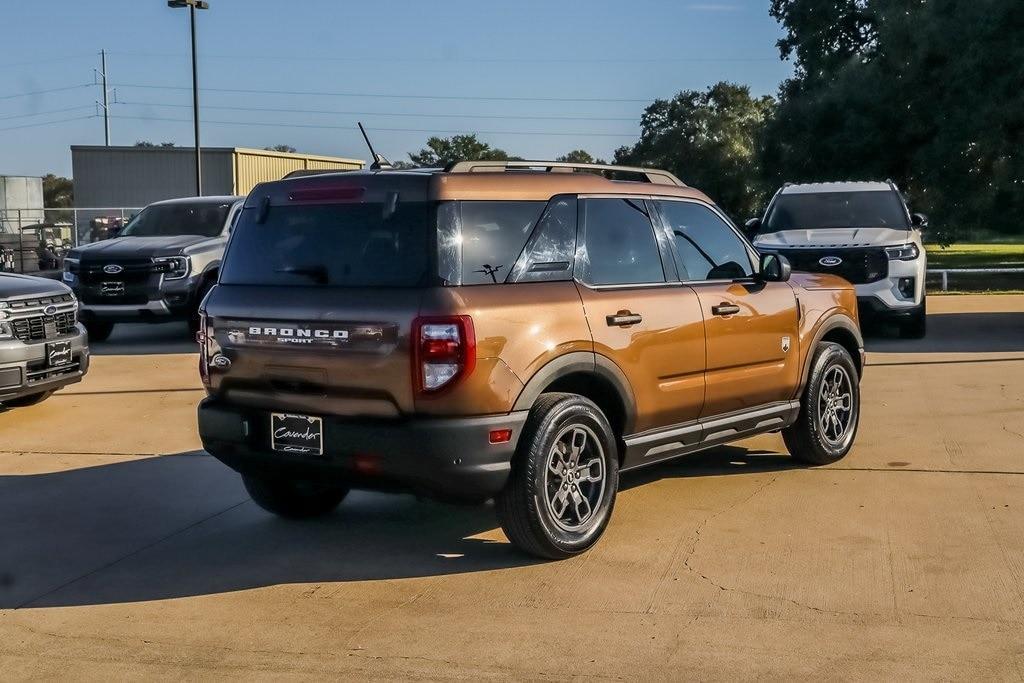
905 252
175 267
70 269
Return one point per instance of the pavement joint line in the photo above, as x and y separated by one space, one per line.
133 553
194 453
127 391
943 362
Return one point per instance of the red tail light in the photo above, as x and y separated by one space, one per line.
443 351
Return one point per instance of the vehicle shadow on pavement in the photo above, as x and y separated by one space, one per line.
177 526
137 339
954 333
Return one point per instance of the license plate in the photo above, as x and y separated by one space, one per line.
298 434
112 288
58 354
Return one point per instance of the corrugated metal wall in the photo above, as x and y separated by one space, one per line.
137 176
20 192
253 166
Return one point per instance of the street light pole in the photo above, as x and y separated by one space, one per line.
193 5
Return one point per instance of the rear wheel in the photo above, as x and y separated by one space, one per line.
561 491
98 330
25 401
829 409
293 498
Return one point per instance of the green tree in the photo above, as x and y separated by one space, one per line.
281 148
58 191
709 139
893 95
443 151
147 143
580 156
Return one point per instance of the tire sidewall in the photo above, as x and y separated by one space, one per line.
830 356
574 410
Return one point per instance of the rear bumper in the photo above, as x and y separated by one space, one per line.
23 370
440 457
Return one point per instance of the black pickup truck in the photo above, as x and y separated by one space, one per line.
157 270
42 346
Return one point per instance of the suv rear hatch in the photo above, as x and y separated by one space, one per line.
319 288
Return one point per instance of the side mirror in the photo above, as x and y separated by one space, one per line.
751 227
775 268
919 221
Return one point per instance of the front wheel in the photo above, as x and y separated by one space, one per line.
25 401
829 409
564 478
292 498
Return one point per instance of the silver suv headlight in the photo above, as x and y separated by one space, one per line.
175 267
904 252
6 328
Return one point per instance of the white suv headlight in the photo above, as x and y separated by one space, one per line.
904 252
175 267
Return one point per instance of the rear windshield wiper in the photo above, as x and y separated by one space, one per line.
317 273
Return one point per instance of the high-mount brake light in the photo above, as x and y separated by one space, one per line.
444 351
325 193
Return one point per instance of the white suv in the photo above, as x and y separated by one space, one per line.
861 231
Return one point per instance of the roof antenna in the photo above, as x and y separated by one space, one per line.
379 162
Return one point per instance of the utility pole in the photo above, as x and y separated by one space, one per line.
193 5
106 101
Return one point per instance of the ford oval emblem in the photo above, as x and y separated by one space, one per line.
113 269
830 261
50 310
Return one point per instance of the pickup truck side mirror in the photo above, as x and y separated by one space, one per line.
751 227
919 221
774 268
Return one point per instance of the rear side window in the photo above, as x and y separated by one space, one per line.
334 245
493 235
548 256
620 247
707 248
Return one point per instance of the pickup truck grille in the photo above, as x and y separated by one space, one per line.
136 283
43 327
859 266
133 271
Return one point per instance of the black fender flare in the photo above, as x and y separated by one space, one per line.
832 322
585 362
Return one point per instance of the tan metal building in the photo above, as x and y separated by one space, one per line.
137 176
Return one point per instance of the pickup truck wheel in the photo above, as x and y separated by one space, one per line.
99 330
25 401
564 478
293 498
829 409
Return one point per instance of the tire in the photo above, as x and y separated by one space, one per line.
292 498
25 401
546 511
98 330
917 325
807 440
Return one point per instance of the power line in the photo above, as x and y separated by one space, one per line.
49 123
387 130
49 111
46 60
253 91
524 117
43 92
486 60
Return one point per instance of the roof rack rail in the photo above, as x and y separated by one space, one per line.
652 175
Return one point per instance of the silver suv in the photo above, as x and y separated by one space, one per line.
861 231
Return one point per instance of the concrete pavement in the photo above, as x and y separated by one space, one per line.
125 551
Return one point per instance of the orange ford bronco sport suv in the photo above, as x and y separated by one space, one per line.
518 330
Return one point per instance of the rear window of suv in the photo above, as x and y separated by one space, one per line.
811 210
334 245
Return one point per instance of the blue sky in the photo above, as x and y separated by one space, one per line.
577 74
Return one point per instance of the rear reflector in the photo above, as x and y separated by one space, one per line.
500 436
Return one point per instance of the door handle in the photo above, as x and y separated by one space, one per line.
624 318
725 309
